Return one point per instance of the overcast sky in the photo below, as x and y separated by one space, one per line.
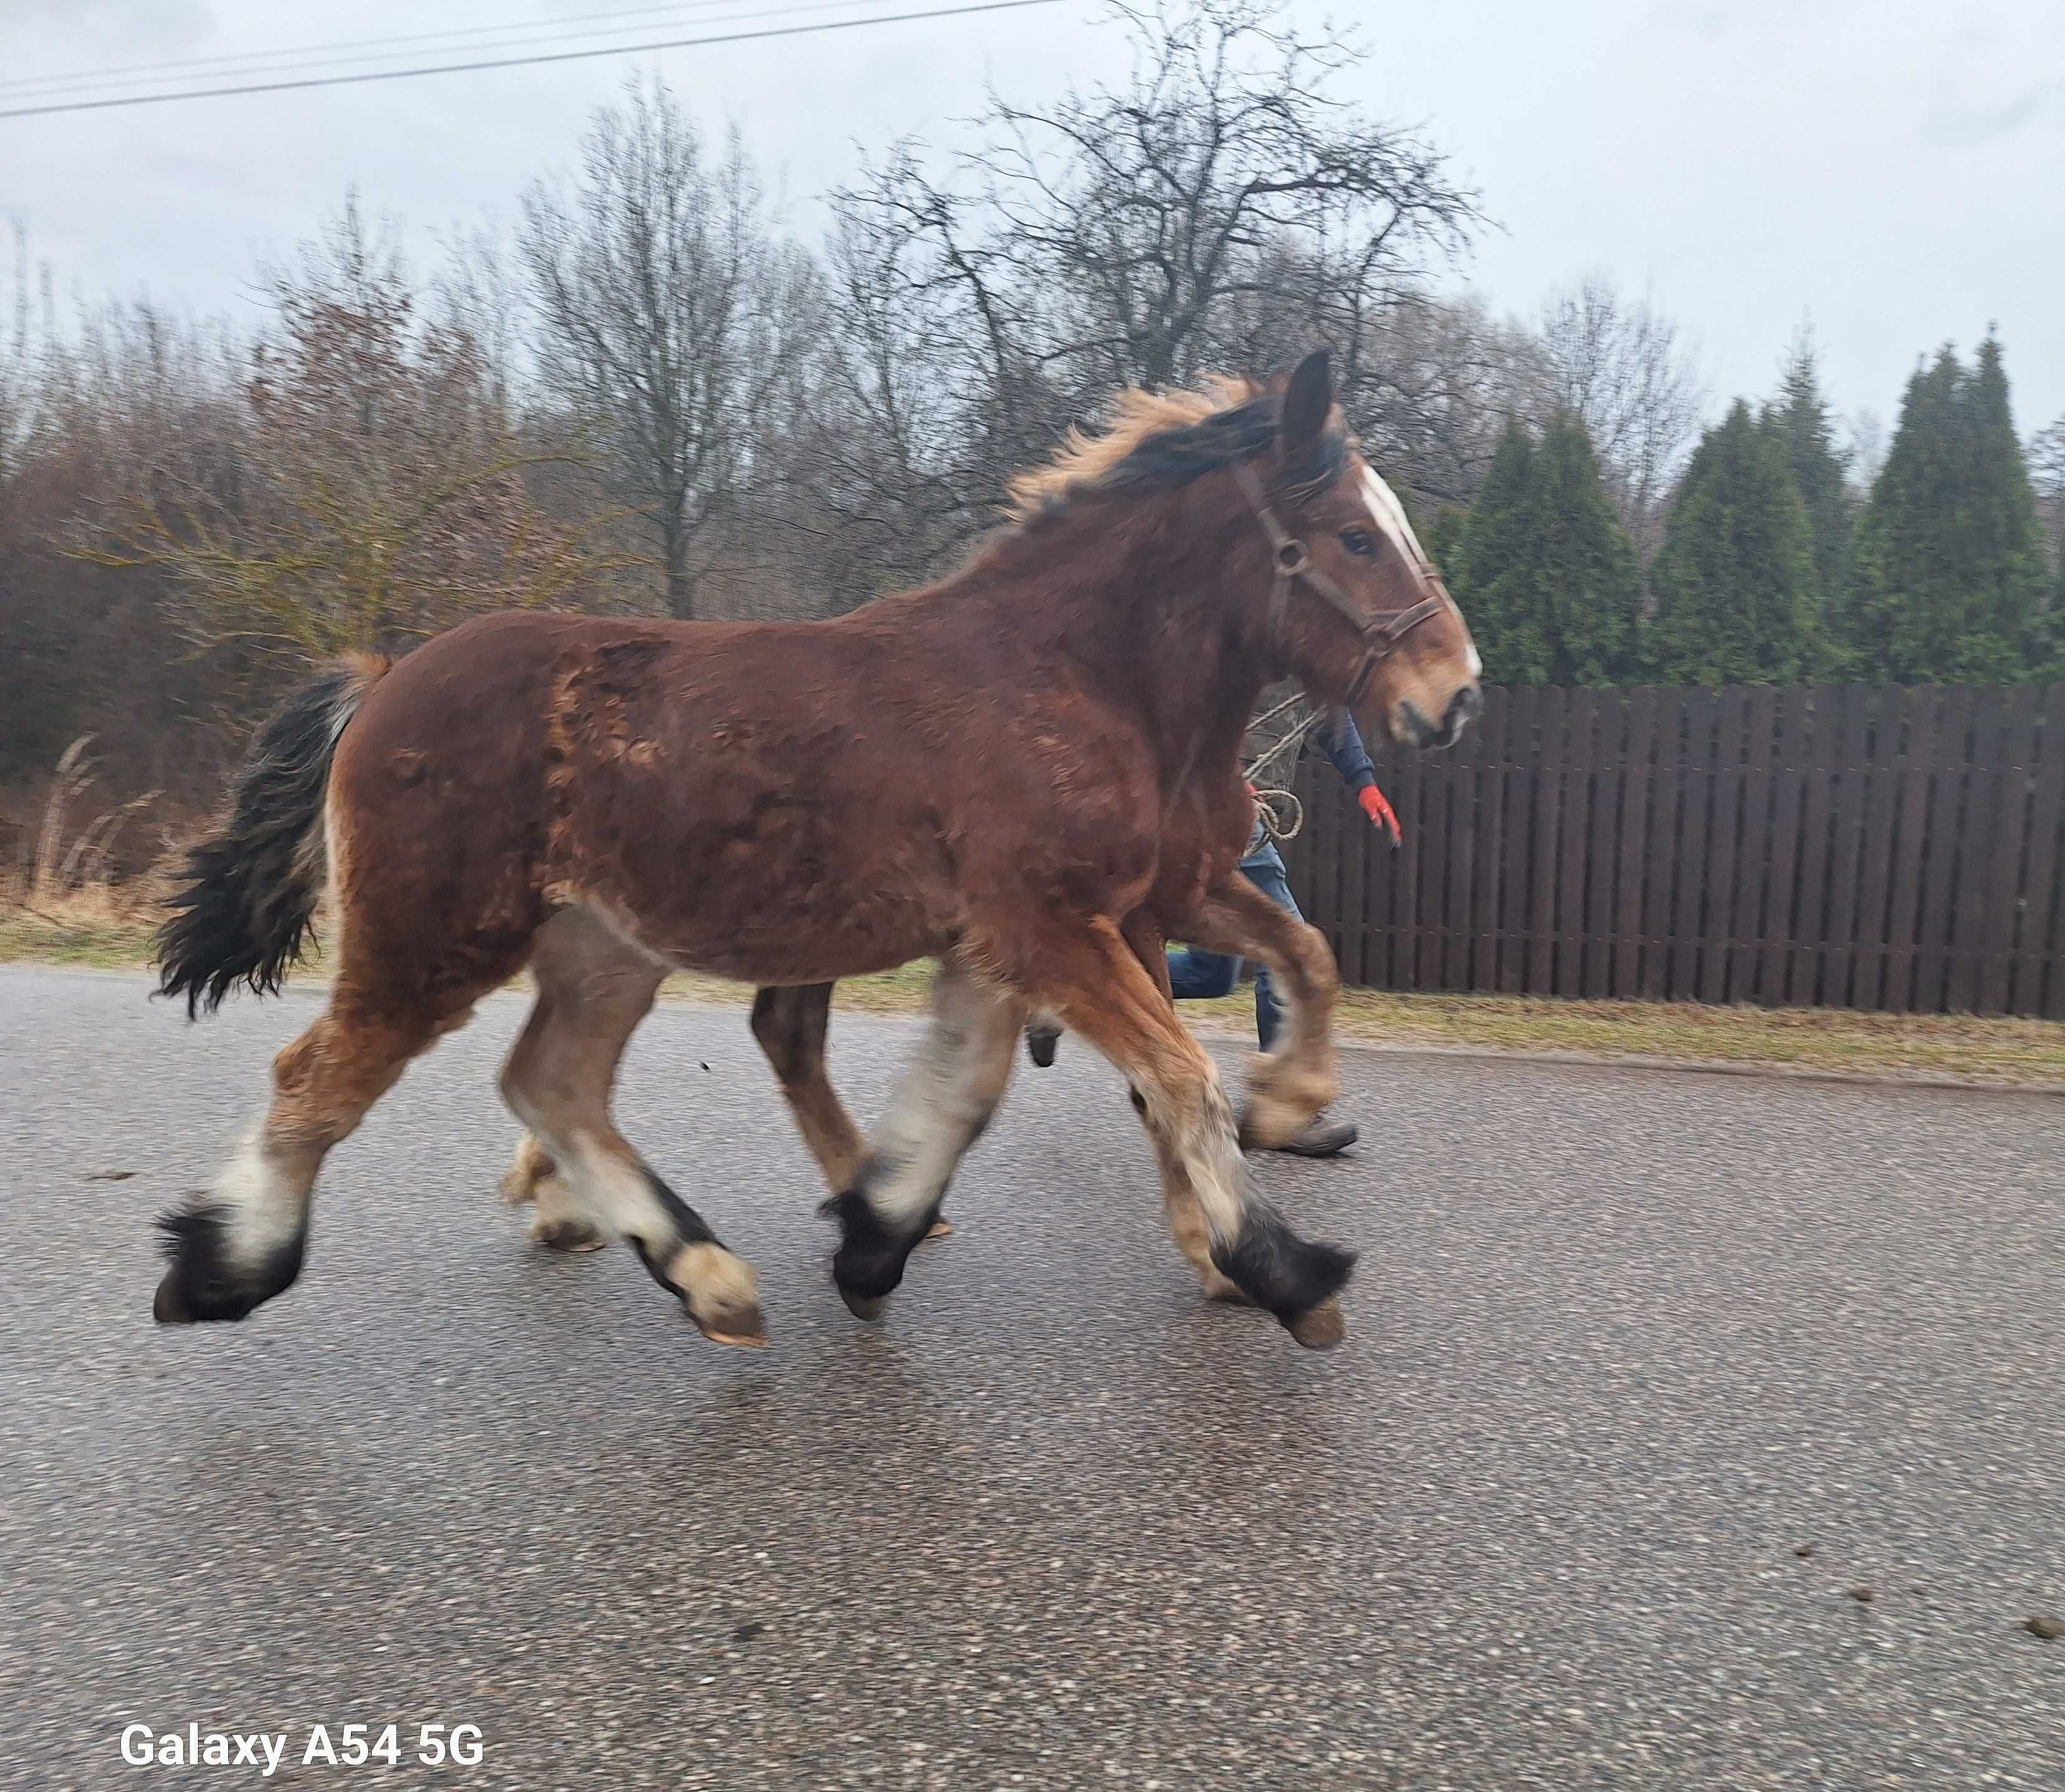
1894 171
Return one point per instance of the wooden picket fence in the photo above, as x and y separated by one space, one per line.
1843 846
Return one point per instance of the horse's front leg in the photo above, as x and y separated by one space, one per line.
942 1103
1095 981
1289 1086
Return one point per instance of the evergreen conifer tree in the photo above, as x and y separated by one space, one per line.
1800 416
1950 568
1736 601
1549 580
1444 541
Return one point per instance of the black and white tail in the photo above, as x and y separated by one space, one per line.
247 905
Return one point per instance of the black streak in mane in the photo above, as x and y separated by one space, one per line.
1172 458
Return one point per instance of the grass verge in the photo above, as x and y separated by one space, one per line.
1967 1047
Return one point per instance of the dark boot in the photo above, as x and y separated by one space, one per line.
1321 1138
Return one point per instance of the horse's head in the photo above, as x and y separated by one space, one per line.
1357 609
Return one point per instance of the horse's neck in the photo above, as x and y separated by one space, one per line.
1156 631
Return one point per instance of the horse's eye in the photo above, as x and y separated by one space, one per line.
1360 542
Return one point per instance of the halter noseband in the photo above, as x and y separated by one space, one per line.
1383 631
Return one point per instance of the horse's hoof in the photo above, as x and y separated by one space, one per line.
570 1236
864 1306
941 1228
1219 1288
1318 1328
743 1328
169 1306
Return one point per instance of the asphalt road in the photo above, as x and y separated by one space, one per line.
1623 1342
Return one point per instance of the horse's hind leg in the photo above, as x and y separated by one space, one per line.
242 1241
593 990
1287 1087
558 1221
942 1103
790 1026
789 1023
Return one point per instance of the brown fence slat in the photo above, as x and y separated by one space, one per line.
2011 820
1550 769
1724 818
1660 885
1968 919
1695 849
1575 845
1458 916
1846 845
2039 979
1914 713
1875 853
1942 848
1774 963
1635 847
1488 826
1523 749
1810 903
1752 842
1602 848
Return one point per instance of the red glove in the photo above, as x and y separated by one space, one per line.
1380 813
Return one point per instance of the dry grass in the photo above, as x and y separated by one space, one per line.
62 900
62 904
1964 1046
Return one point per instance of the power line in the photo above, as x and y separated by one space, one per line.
320 55
518 62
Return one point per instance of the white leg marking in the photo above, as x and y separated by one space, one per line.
1208 1144
265 1208
942 1100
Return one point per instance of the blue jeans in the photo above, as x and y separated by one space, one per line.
1198 976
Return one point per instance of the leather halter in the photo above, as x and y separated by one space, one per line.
1383 631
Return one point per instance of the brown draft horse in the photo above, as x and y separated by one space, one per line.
985 771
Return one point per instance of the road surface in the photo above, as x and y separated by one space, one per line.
1624 1344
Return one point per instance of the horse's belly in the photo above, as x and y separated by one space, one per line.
783 905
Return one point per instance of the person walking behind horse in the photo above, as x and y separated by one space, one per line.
1196 975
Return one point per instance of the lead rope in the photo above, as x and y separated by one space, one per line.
1283 814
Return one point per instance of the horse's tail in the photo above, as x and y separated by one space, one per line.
247 903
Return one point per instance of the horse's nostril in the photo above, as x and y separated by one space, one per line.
1464 705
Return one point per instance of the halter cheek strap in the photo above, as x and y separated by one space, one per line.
1383 630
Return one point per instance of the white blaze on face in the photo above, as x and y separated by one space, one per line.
1390 516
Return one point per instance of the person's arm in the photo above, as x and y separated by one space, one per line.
1343 744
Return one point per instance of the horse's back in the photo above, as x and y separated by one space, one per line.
698 780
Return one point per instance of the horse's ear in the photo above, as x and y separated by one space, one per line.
1307 403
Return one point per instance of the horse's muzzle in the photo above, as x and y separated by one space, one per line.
1418 731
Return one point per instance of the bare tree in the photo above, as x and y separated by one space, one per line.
1617 364
17 375
1218 209
670 314
1446 376
368 491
